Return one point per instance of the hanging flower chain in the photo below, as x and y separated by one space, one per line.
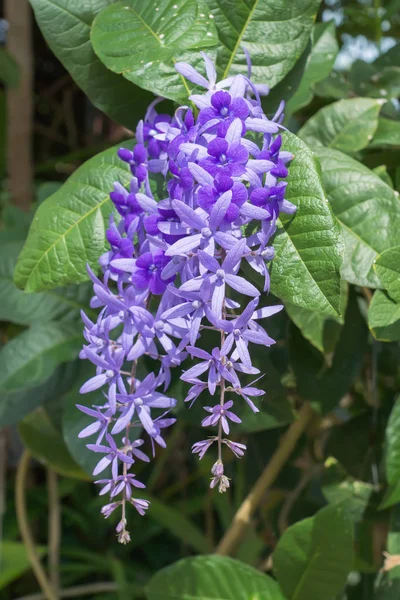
220 172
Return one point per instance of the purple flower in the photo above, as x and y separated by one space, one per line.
220 412
219 195
224 107
113 455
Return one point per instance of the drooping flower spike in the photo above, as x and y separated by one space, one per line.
222 170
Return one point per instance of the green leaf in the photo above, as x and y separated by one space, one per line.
15 561
319 64
9 70
387 134
65 24
314 557
334 86
143 42
45 443
21 308
392 445
382 172
211 578
285 89
347 125
31 357
179 525
393 540
68 230
308 245
28 367
325 383
387 267
322 332
388 591
375 80
274 32
367 209
340 489
384 317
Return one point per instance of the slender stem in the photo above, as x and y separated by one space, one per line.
242 518
78 591
54 529
23 525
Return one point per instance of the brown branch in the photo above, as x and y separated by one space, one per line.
242 518
20 104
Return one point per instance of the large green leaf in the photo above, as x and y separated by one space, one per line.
66 24
392 454
387 266
392 457
179 525
142 41
32 356
308 245
319 64
211 578
340 489
387 133
325 383
347 125
19 307
314 557
275 33
68 230
367 209
27 365
322 332
15 561
384 317
46 444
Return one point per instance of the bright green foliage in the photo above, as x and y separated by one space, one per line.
322 332
325 382
68 230
46 445
347 125
319 64
143 41
386 134
314 557
15 561
345 492
384 317
367 209
19 307
27 365
66 26
212 577
308 246
274 32
387 267
392 454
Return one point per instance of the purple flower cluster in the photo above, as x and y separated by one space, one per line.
173 272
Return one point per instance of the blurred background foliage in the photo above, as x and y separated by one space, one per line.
347 367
